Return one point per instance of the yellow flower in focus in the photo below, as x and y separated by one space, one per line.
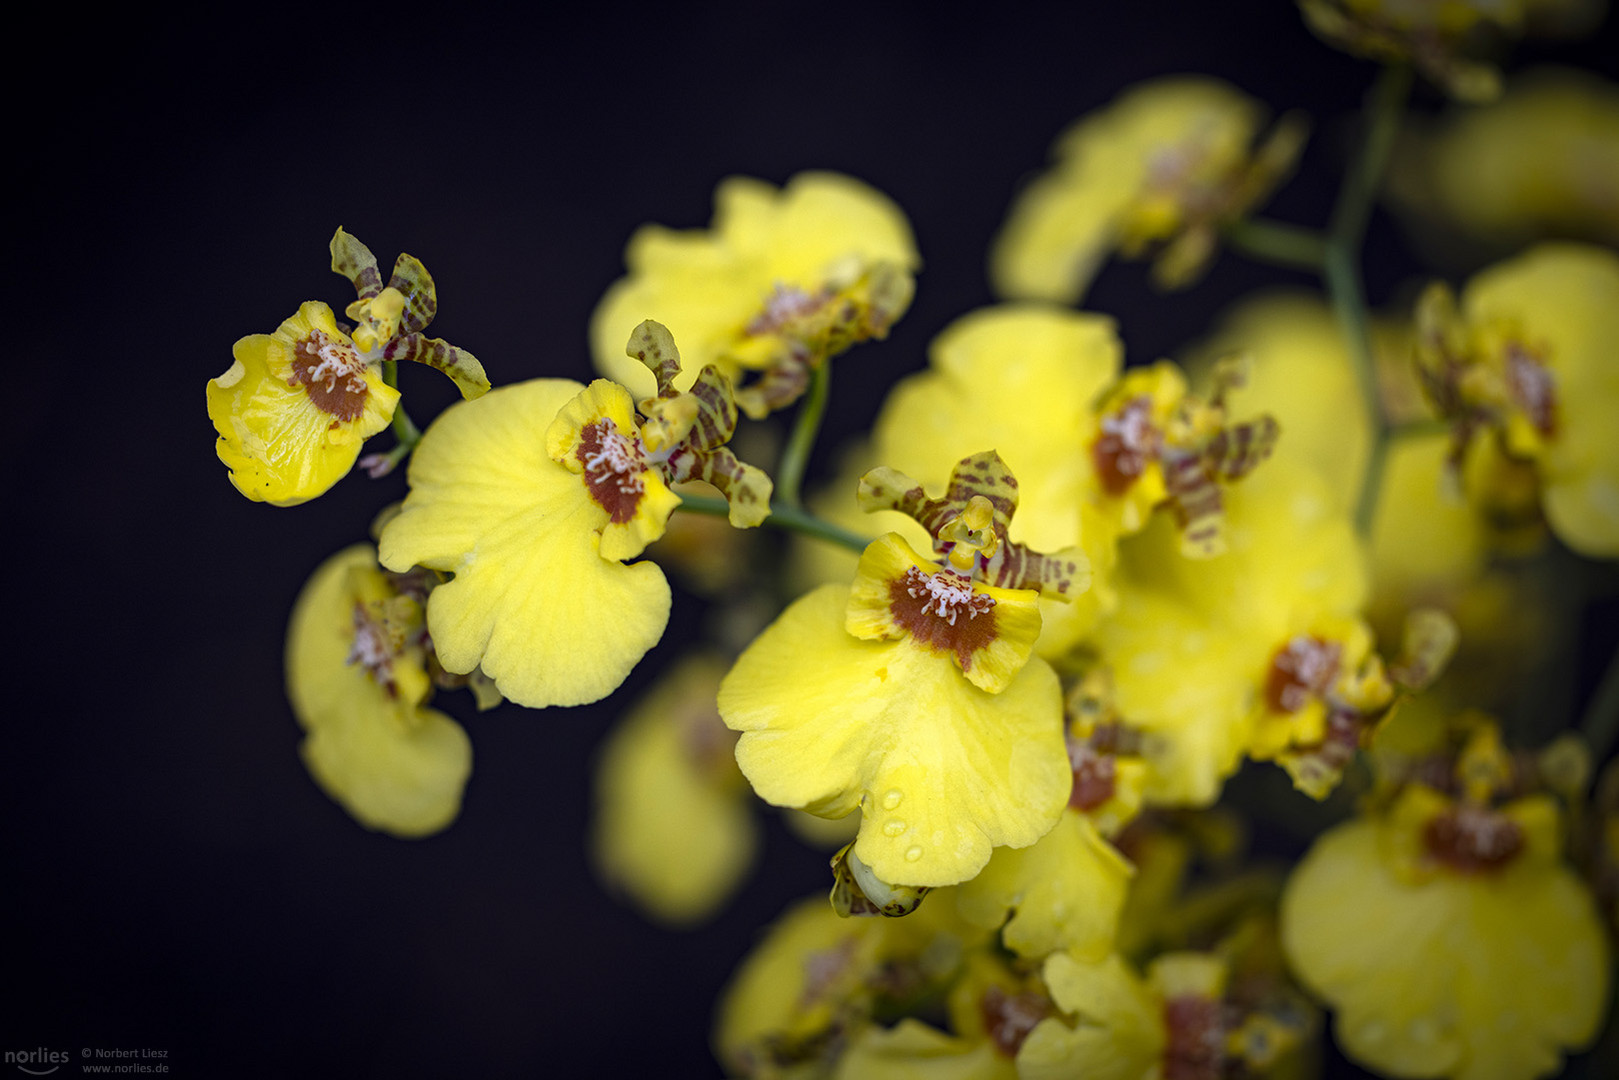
1544 159
914 695
358 679
1162 168
532 496
780 274
534 599
295 405
674 827
1021 378
294 408
1528 354
942 770
1448 935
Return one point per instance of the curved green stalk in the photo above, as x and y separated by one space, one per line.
807 425
1278 242
782 516
1341 268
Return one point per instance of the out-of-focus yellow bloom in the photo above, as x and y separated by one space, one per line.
294 408
357 674
1114 1024
914 696
674 827
1544 159
295 405
1529 355
778 282
1194 643
813 984
1447 933
1443 38
1160 169
911 1050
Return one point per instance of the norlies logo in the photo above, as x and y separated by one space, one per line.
39 1062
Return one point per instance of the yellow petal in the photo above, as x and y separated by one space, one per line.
532 601
394 766
1064 893
1119 1034
942 770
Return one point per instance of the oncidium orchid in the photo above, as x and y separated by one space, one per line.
295 406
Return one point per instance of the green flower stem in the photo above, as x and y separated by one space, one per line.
404 429
1341 267
1601 721
1279 243
794 460
782 516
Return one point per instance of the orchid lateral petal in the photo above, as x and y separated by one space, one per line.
415 284
461 366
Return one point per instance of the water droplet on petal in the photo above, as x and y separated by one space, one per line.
893 799
913 853
894 827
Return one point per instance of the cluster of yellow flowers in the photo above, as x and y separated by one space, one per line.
1096 590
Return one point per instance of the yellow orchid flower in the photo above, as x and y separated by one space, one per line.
295 406
779 282
1446 932
1162 168
357 675
914 696
533 494
1528 355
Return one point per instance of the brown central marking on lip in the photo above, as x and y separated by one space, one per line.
1532 387
1094 777
1301 669
373 649
1196 1045
1127 445
1472 839
1008 1018
943 624
331 373
613 465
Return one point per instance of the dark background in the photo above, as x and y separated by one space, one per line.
173 879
